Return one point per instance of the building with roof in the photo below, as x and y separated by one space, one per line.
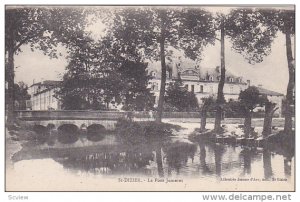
272 96
204 82
42 95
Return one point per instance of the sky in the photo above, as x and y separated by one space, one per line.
272 73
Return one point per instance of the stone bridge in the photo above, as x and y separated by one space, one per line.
56 119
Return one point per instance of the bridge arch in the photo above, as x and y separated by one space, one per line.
68 133
41 133
95 128
95 132
39 129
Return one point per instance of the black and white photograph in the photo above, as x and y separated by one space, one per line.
149 98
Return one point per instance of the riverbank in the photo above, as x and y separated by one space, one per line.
11 147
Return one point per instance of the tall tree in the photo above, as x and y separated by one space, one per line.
248 37
249 100
148 31
283 20
42 28
152 31
134 82
97 75
88 78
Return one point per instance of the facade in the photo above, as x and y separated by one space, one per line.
204 83
42 95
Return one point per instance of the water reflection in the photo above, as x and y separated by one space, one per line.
268 173
159 163
218 152
109 162
287 166
163 159
177 155
67 133
203 164
246 155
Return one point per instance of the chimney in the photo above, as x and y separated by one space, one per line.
218 69
248 83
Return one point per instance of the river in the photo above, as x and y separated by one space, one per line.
82 163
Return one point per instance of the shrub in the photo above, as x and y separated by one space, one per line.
136 132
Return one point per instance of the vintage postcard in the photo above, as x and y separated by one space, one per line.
150 98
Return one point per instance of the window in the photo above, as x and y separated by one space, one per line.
201 89
192 88
211 89
211 78
186 86
231 89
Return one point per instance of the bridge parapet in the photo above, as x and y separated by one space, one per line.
69 115
108 119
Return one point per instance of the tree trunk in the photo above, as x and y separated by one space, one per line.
203 119
247 124
269 112
160 169
10 86
163 73
220 97
288 124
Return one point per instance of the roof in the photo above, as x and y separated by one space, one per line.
45 86
264 91
215 74
47 83
203 74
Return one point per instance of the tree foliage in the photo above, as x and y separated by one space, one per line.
97 75
152 32
249 100
42 28
249 35
21 95
180 99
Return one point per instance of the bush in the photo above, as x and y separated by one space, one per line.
137 132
